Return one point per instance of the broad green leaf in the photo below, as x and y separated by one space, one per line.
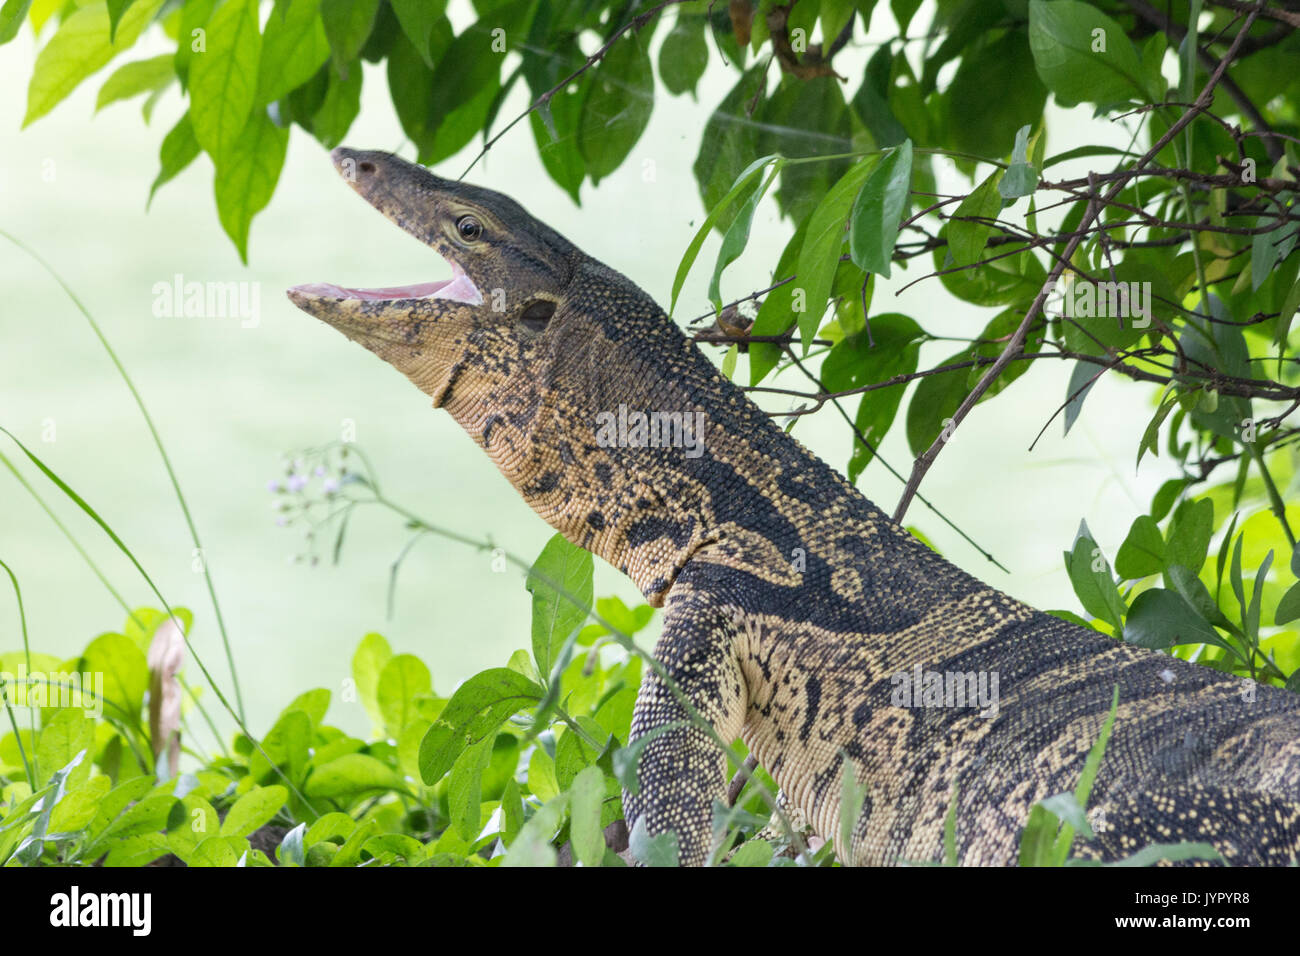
403 679
1082 55
254 809
12 15
1143 551
464 787
561 576
1090 577
223 87
616 105
476 710
532 846
367 663
126 675
192 35
728 145
1288 609
342 104
684 54
223 851
752 853
65 735
351 775
246 177
293 49
935 401
417 18
821 249
878 210
967 236
116 8
347 25
993 93
587 794
662 849
1190 533
191 821
132 79
1160 619
79 48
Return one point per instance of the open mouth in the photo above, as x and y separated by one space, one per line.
459 288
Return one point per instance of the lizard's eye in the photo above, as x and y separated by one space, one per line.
469 228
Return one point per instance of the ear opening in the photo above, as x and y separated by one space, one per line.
538 314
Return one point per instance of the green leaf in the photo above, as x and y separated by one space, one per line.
684 55
347 25
752 853
737 236
1288 608
79 48
132 79
254 809
223 84
126 674
854 363
1090 577
1190 533
464 787
822 244
587 795
367 664
293 49
561 576
417 18
1082 378
993 93
1161 619
65 735
476 710
246 177
115 10
747 180
12 15
935 401
1021 177
878 210
402 680
616 105
351 775
728 145
342 104
1143 551
966 235
659 850
532 847
1173 852
1082 55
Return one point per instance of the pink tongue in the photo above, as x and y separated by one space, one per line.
459 289
417 291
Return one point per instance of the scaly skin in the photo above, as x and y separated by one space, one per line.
792 602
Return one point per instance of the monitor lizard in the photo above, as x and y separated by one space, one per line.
793 605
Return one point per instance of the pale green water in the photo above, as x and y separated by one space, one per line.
229 400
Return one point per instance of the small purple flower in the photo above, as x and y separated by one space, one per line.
297 482
320 471
273 485
282 521
331 486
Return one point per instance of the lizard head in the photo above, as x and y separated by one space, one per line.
509 273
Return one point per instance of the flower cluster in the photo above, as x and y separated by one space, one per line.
311 493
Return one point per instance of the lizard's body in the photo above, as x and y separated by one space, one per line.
792 604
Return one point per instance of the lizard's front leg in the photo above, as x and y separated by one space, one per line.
683 769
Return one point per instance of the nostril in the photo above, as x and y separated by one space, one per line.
366 166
